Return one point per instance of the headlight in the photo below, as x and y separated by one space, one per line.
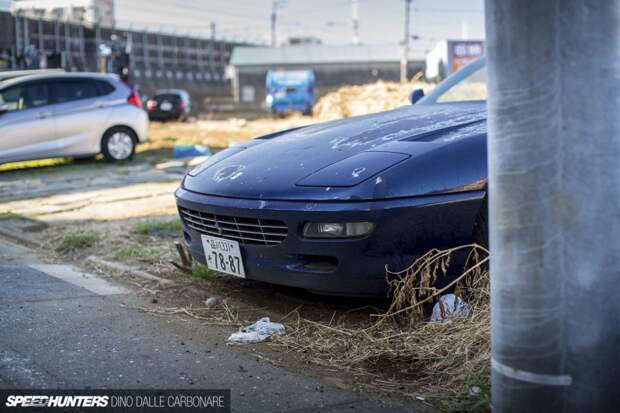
337 229
269 99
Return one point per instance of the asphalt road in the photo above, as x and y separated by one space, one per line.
56 334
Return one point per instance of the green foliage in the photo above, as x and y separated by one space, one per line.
73 241
201 271
12 215
157 227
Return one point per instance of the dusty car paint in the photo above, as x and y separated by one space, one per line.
419 173
433 143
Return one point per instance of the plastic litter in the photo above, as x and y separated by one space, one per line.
473 390
453 308
187 151
257 332
212 301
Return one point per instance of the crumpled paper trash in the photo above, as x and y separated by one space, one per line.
453 308
257 332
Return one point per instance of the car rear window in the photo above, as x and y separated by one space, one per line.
75 89
167 96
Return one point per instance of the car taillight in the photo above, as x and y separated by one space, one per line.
181 105
134 99
151 104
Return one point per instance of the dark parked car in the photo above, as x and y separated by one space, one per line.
326 207
172 104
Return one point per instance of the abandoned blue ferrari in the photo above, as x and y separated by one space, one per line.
326 207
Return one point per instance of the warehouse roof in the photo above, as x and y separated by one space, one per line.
317 54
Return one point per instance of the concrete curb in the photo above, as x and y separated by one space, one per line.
80 278
126 268
20 239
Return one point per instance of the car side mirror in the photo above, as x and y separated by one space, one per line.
416 95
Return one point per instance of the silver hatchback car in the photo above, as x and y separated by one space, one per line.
69 114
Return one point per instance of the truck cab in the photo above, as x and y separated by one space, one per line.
290 91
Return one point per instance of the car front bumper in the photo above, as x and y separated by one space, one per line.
404 229
281 107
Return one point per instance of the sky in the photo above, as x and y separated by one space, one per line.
380 21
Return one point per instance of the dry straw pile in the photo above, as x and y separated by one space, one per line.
445 363
349 101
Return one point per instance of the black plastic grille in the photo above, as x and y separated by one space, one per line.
245 230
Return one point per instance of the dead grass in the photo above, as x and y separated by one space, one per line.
394 350
136 252
222 314
399 351
217 134
157 227
358 100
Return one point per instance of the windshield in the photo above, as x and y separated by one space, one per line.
467 84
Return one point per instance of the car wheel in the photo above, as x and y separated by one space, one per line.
481 226
118 144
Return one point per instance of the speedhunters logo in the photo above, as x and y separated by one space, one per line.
57 401
115 400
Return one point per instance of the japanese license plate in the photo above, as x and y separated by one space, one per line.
223 255
165 106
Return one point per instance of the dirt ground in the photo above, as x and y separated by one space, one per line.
217 134
126 214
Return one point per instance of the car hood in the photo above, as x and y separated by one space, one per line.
331 161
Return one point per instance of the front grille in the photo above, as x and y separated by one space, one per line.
253 231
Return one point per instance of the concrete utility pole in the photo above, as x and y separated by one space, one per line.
40 34
405 45
554 180
355 19
274 18
212 28
212 51
19 48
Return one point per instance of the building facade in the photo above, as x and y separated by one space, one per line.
89 12
7 41
154 60
333 66
448 56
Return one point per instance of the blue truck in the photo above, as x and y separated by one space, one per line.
290 91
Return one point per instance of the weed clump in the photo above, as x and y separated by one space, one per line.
74 241
446 363
157 227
